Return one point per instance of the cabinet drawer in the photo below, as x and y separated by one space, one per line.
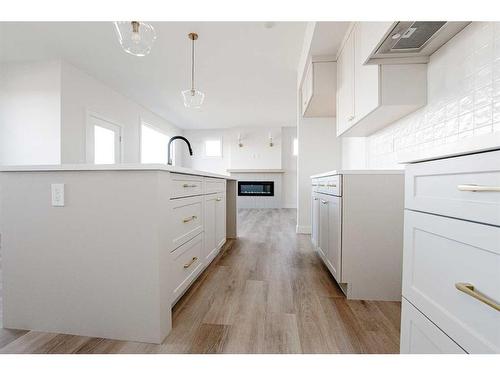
447 187
186 219
440 252
330 185
187 264
214 185
420 336
184 185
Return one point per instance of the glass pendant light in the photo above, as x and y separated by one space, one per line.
135 37
192 97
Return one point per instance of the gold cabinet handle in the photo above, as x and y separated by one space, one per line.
324 202
187 265
314 184
218 199
188 219
332 185
472 187
188 185
321 185
470 290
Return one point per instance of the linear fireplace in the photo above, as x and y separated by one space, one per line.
256 188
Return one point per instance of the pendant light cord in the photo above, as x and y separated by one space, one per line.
192 66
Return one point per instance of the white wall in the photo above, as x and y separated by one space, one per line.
319 151
81 94
463 99
289 165
255 154
30 103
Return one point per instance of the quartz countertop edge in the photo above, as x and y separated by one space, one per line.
359 171
473 145
111 167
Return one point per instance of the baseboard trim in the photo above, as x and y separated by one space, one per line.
303 229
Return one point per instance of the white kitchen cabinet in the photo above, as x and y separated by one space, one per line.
451 259
220 220
345 85
370 97
329 232
315 219
215 225
357 229
420 336
318 89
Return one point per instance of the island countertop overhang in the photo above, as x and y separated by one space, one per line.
111 167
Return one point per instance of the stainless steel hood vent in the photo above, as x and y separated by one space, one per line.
414 41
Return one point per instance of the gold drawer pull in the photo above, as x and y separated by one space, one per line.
332 185
324 202
188 219
471 291
314 184
187 265
472 187
218 199
321 185
188 185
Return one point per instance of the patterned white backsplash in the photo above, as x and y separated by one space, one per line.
463 98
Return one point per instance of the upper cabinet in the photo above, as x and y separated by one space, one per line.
370 97
318 89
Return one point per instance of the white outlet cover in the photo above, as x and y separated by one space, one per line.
57 191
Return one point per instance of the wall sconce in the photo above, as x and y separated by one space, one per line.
271 144
240 144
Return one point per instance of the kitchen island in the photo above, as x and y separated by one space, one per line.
107 250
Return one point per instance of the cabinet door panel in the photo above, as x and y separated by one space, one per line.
315 220
334 236
220 220
323 226
345 88
210 227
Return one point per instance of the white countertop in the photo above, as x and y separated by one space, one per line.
487 142
256 170
110 167
359 171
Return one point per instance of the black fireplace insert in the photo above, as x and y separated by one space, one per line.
256 188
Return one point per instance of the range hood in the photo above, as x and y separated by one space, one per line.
413 41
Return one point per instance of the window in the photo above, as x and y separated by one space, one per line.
154 146
295 147
213 148
104 141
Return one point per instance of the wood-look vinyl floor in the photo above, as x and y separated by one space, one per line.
267 292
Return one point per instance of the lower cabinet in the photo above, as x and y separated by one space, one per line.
187 264
420 336
215 225
315 219
329 244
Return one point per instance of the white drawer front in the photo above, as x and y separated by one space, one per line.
186 219
330 185
187 263
184 185
446 187
214 185
420 336
440 252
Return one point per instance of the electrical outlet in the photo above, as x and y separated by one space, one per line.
57 195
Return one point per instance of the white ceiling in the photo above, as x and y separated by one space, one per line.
247 71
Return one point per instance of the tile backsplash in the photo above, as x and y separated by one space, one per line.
463 98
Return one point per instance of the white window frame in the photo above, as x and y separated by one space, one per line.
159 130
205 140
99 120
